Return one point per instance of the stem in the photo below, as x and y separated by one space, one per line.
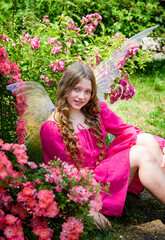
89 6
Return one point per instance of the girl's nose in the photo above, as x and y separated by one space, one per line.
81 95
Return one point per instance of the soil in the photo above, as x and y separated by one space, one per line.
143 218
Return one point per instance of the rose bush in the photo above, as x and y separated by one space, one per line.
47 202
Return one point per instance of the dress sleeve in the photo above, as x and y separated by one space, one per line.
126 135
52 142
114 124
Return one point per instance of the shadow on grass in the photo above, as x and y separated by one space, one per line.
143 218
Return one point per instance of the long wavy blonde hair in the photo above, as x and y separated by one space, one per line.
74 73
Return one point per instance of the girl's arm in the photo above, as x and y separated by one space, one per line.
114 124
52 142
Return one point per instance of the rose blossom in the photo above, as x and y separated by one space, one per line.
10 219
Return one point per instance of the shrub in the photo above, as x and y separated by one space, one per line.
44 202
125 16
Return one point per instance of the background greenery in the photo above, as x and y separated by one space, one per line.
125 16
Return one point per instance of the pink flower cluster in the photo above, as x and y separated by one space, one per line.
118 36
94 61
125 90
41 203
6 167
18 210
72 172
92 20
9 68
11 226
71 229
52 40
35 43
18 150
26 38
21 104
57 48
41 229
6 202
79 194
20 129
5 199
54 176
45 19
72 27
69 42
132 52
48 83
57 67
20 153
4 38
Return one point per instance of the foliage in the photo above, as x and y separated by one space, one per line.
8 114
43 50
127 17
47 202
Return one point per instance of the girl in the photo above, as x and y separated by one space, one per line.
75 133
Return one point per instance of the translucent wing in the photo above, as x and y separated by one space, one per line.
34 105
106 71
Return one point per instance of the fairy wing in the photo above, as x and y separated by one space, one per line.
106 71
34 105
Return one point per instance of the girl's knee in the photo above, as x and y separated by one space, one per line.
140 155
145 139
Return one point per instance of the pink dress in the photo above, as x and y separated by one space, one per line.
114 168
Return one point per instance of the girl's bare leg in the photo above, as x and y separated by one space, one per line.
150 173
149 142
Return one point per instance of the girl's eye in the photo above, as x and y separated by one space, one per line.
88 92
76 89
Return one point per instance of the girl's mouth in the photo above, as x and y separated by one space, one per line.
78 102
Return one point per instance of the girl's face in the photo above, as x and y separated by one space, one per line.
80 95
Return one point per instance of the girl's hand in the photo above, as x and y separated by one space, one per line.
100 220
163 162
